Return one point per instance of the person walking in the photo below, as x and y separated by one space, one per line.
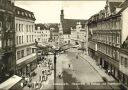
69 65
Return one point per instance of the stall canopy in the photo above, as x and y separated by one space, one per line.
10 82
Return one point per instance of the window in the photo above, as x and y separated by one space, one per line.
126 62
19 27
122 60
27 38
32 38
27 28
19 39
16 26
27 51
22 27
18 54
22 39
22 53
118 40
32 28
33 50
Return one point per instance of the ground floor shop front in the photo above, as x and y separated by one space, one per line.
110 66
26 70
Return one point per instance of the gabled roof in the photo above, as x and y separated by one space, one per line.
67 24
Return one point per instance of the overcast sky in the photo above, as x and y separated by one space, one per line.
49 11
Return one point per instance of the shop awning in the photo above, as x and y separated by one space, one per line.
10 82
33 46
27 59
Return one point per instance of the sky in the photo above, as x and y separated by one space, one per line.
49 11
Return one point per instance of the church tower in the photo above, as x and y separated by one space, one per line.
62 16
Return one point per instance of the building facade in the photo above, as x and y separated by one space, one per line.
123 63
108 39
79 36
42 34
70 31
26 56
7 39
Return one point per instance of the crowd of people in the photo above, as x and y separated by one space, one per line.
41 73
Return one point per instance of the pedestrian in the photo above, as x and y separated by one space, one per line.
69 65
21 84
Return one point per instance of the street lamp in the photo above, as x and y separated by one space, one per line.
55 58
55 69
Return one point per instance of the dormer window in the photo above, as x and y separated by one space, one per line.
29 15
22 13
18 12
26 14
32 16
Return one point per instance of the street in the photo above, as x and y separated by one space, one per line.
77 73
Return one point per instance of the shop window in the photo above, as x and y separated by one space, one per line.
126 62
18 54
28 51
33 50
122 60
22 53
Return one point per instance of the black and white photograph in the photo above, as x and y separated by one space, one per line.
63 44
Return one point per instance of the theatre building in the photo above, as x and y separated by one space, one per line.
26 56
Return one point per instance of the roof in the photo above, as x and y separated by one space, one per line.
67 24
114 5
123 5
47 26
42 26
55 26
22 13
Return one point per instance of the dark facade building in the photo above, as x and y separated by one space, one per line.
7 39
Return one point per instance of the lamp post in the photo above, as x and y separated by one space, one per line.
55 58
55 70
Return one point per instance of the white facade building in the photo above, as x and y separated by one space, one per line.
42 36
79 36
25 41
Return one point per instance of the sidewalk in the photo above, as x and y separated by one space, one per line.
97 68
44 84
49 84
